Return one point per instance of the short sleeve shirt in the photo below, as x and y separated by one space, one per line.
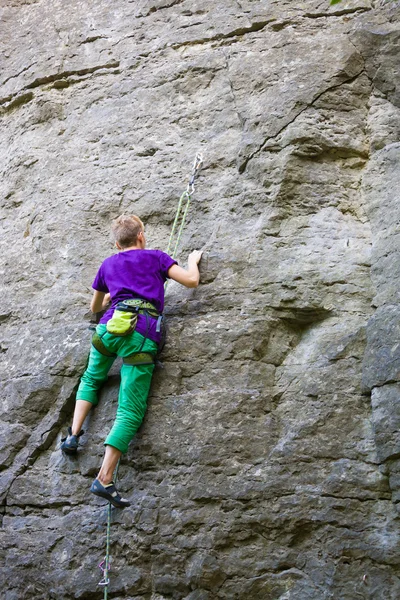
135 274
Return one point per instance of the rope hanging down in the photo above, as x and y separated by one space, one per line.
174 240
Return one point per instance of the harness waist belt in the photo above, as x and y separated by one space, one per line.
136 305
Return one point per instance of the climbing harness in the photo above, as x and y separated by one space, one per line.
145 358
125 315
124 323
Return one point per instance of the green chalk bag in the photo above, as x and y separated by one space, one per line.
123 322
125 316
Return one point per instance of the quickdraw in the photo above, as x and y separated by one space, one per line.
182 210
105 564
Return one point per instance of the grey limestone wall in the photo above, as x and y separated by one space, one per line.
268 465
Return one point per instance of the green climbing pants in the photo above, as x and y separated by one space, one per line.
134 388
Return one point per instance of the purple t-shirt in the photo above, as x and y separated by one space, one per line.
135 274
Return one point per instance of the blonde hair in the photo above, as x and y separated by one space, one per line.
126 229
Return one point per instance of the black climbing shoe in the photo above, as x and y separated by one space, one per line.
109 492
70 444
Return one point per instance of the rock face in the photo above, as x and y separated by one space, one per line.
268 464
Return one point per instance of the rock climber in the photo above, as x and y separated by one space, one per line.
133 280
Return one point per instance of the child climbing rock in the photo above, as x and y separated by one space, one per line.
133 279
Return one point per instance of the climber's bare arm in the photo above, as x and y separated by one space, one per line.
99 301
189 277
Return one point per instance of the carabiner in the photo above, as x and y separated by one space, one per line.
105 581
198 161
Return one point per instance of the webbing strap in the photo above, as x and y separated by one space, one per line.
139 358
97 342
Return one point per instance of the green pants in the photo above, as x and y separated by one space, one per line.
134 388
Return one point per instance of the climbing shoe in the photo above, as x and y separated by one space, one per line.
70 444
109 492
